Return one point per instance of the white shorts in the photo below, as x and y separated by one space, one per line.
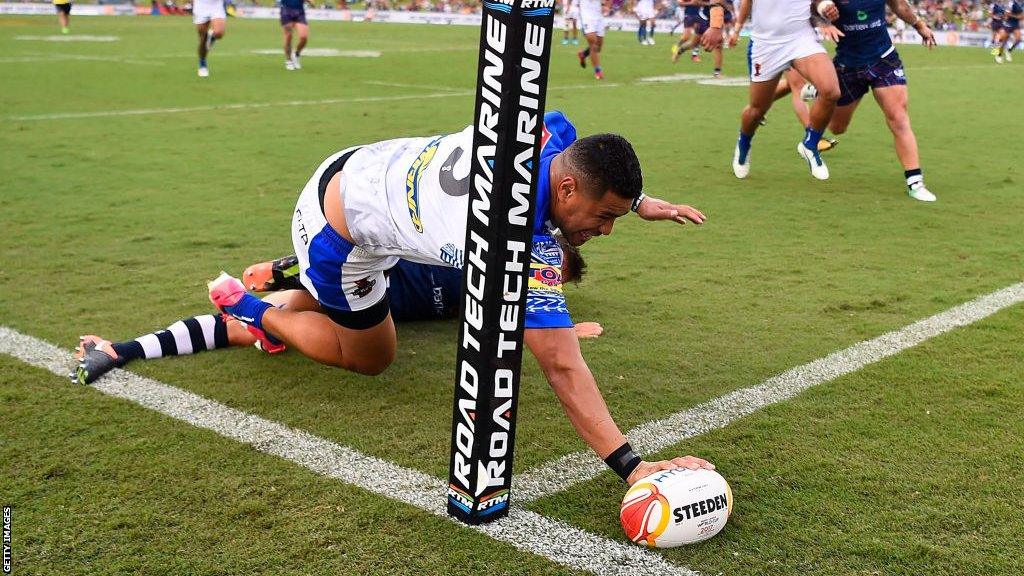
644 12
341 276
768 60
573 13
205 10
592 23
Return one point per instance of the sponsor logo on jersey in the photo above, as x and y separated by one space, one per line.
412 182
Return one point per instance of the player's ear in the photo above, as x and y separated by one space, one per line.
566 187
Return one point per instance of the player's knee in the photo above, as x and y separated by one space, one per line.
828 93
837 128
370 366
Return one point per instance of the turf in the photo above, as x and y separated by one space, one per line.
112 224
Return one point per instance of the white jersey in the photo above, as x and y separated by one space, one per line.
407 197
780 21
590 8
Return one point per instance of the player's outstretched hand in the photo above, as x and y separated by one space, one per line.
655 209
588 329
711 39
830 32
927 37
647 468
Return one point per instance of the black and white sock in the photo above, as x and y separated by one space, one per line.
914 177
188 336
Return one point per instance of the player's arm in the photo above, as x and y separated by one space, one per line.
906 13
558 352
741 18
650 208
716 17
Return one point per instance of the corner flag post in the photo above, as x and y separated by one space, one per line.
515 46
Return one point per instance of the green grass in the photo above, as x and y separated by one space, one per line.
112 225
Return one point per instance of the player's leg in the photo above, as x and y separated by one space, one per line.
1013 46
792 84
595 55
203 28
1000 45
565 31
818 70
64 17
762 94
893 102
718 62
287 29
217 29
641 30
650 31
303 32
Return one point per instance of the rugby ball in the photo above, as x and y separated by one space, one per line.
675 507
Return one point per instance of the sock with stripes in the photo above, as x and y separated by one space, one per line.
188 336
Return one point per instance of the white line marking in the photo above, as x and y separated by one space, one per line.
69 38
325 52
80 57
655 436
683 77
414 86
528 531
245 105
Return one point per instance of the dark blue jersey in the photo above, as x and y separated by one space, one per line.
293 4
423 292
691 11
1012 21
866 35
997 12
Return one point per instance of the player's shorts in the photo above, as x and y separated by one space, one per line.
644 12
996 25
292 15
347 281
64 8
690 20
573 13
1011 24
700 26
591 23
205 10
854 83
767 60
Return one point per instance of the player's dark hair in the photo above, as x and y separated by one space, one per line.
573 265
608 162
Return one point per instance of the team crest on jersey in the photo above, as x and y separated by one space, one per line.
412 182
363 287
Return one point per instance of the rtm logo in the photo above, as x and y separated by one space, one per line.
528 4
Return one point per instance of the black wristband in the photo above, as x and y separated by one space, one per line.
623 461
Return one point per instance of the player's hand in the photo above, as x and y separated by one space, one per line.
588 329
734 37
711 39
647 468
655 209
927 37
830 32
831 12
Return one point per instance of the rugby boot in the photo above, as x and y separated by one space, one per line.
814 161
96 357
229 296
273 275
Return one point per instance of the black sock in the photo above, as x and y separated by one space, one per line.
913 176
188 336
586 52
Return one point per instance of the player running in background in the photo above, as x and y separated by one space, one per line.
592 22
717 51
209 18
867 60
63 8
416 292
783 37
293 21
1012 20
368 206
644 11
571 15
998 15
690 36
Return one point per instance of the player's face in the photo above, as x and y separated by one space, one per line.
581 214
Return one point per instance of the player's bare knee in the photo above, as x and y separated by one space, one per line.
369 367
828 93
837 128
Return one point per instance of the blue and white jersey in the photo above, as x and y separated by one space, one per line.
408 198
866 34
1012 18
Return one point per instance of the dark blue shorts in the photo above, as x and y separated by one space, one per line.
854 83
689 21
292 15
1011 25
700 26
997 25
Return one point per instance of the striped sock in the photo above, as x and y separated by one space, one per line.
188 336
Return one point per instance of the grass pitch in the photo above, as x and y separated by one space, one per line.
117 209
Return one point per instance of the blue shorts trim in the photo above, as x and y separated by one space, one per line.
328 252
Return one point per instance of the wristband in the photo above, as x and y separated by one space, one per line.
637 201
717 16
623 461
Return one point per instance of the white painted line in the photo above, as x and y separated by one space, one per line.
683 77
528 531
324 52
68 38
80 57
413 86
245 105
655 436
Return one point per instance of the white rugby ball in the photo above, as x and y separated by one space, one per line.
675 507
823 6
